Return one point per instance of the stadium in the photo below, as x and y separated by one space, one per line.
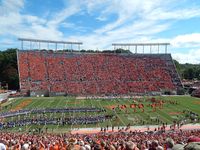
57 73
97 93
56 95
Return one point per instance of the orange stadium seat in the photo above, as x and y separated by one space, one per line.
97 73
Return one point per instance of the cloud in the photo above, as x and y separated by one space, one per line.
179 14
14 23
137 20
192 56
134 21
142 11
186 41
184 48
191 42
64 14
11 6
125 10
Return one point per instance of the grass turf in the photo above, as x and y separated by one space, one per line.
168 114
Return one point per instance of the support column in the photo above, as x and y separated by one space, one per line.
39 45
79 47
150 49
22 46
143 49
136 49
56 46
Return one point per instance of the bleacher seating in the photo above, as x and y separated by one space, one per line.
96 73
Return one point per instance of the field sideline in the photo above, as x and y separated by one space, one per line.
167 114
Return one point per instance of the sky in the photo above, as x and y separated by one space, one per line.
99 23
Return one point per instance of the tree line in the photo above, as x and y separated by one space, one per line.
8 69
188 71
9 77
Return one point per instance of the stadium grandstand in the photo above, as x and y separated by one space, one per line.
124 78
54 73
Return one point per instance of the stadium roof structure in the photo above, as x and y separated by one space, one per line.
39 41
143 45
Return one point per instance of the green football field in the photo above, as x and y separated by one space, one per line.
175 108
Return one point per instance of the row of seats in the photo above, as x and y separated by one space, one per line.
93 74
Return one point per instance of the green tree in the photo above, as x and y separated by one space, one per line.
197 73
189 73
9 71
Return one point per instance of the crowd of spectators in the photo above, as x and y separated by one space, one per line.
95 74
121 140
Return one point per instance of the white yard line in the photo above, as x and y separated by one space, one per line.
74 114
138 116
58 106
92 106
85 113
117 115
103 108
34 108
44 126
